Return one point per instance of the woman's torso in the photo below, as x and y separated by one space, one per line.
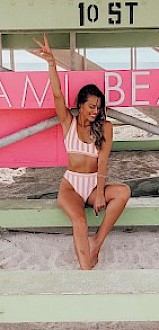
82 153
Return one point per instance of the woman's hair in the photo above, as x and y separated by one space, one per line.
97 125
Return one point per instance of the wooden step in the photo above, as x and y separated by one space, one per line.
29 213
135 145
77 296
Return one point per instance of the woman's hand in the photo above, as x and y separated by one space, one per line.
100 204
44 51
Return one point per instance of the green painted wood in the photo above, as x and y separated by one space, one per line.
79 308
127 281
60 39
25 40
56 218
58 15
126 38
135 145
46 213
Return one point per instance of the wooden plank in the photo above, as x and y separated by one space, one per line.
96 282
60 39
66 15
40 204
74 308
135 145
118 295
53 216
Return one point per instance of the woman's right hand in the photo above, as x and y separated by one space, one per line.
44 51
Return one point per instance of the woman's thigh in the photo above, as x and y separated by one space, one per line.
70 201
112 190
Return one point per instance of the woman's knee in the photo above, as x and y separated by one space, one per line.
80 225
127 191
121 191
59 201
77 217
124 192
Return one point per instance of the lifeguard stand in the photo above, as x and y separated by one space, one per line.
107 296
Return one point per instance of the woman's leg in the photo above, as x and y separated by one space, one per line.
74 207
116 196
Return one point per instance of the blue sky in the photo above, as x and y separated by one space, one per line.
109 58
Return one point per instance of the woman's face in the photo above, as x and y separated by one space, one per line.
91 108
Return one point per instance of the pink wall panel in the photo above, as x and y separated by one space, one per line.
39 150
26 99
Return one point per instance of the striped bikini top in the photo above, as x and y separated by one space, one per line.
74 145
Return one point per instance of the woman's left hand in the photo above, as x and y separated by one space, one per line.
100 204
44 50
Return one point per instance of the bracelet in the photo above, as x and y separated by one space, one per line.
101 176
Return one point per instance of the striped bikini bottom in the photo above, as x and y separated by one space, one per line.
83 183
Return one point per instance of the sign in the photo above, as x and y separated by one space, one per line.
107 14
73 14
26 99
32 90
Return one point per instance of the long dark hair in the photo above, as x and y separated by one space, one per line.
97 125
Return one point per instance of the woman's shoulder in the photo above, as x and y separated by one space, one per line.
108 129
108 125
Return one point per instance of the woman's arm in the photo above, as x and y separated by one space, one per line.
103 157
102 166
45 53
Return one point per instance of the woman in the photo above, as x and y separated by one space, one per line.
88 141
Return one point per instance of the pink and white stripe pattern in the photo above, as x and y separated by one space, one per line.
74 145
83 183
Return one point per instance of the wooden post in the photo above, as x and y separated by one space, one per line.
84 60
12 62
72 50
133 58
0 52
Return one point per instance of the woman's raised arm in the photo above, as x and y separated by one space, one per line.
45 53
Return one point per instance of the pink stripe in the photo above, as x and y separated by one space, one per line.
77 143
80 145
88 186
85 147
85 185
74 147
75 181
74 144
72 135
79 180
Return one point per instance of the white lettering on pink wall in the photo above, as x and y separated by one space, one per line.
136 87
32 90
114 88
4 95
28 83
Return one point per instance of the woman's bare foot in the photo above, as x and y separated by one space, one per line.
93 250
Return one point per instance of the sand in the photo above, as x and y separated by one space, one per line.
84 326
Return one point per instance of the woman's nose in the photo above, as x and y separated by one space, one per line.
96 110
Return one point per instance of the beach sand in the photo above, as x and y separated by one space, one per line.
83 326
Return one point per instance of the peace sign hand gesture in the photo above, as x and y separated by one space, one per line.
44 51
